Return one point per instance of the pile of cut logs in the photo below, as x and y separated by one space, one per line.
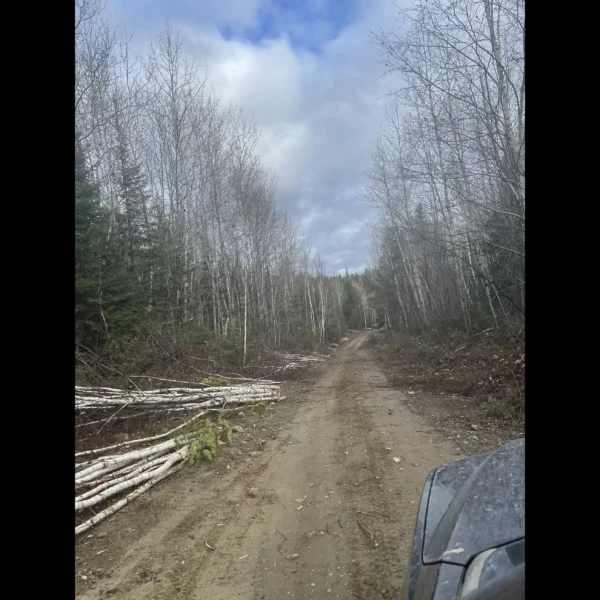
300 360
109 472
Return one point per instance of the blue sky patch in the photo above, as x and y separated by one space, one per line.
307 24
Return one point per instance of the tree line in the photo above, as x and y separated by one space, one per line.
176 224
448 170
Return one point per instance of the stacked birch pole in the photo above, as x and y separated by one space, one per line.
87 398
109 472
300 360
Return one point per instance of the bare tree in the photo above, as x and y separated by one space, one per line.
448 172
198 239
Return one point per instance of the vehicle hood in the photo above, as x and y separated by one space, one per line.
475 504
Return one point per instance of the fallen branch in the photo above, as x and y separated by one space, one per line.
366 532
282 541
364 512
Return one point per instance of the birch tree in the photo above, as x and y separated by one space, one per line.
177 225
448 171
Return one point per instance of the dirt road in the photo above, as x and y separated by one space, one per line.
332 517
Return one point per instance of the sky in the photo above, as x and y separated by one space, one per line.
309 74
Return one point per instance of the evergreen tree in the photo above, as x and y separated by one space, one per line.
108 298
91 228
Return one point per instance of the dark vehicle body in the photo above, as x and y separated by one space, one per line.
469 539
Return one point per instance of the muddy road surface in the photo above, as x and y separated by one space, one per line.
308 502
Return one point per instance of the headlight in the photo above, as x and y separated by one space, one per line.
492 564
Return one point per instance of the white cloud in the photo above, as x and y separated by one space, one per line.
264 79
283 148
347 232
240 13
319 114
237 12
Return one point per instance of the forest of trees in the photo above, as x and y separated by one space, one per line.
176 225
448 172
